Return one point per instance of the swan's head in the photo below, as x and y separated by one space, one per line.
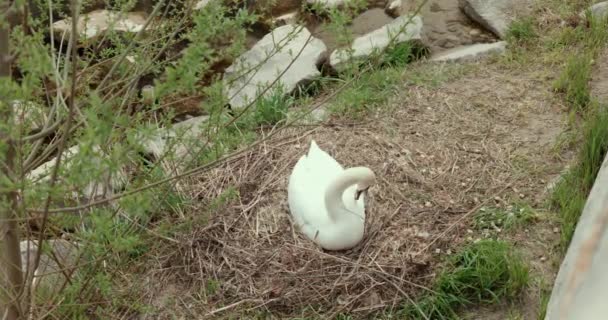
367 178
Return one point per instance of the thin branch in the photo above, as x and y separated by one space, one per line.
62 142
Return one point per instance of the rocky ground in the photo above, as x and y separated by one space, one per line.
471 125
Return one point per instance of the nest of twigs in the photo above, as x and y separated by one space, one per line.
435 167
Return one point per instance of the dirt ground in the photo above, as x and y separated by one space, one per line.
484 138
445 26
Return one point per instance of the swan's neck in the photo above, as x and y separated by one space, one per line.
333 195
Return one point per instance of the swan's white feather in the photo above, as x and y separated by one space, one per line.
308 182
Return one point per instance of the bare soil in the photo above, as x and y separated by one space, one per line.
484 138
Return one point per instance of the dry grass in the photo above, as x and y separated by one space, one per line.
440 154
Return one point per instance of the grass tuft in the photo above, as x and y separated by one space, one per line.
522 31
483 272
574 81
571 192
507 219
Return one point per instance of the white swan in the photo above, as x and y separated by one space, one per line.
325 200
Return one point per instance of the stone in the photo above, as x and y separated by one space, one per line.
54 264
379 39
275 53
475 32
148 94
494 15
201 4
369 21
598 10
274 7
327 4
174 145
471 52
393 8
111 181
288 18
95 23
28 116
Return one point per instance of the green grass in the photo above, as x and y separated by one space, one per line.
370 91
574 81
570 194
545 295
522 31
483 272
506 219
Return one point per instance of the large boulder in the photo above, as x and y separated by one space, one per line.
403 29
275 54
95 23
494 15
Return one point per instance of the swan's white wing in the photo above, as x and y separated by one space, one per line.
309 179
322 161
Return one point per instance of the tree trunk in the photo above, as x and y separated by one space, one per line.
10 254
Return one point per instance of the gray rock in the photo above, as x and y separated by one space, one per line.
201 4
328 4
288 18
111 181
95 23
401 29
176 145
57 257
472 52
28 116
258 68
494 15
393 8
598 10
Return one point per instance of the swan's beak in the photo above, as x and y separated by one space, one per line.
359 192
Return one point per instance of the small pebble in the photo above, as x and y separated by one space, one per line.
449 251
474 32
543 259
469 231
555 230
423 234
521 195
438 251
427 204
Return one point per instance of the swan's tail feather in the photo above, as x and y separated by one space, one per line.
313 147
